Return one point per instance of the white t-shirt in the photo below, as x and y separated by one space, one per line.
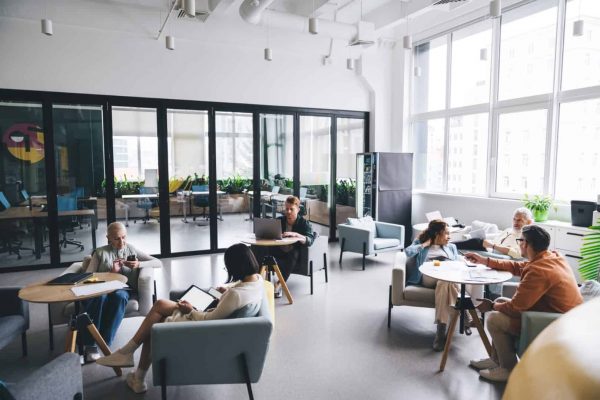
237 296
435 252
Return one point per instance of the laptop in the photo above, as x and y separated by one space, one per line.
267 228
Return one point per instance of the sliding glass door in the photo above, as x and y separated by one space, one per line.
349 141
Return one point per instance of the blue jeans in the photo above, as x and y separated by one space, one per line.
106 312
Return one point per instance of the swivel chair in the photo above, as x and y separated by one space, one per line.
146 203
10 233
66 223
201 200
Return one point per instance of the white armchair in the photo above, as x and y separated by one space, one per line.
140 301
402 295
311 257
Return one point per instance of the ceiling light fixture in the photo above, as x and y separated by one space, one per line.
189 6
578 24
313 22
170 42
495 8
350 63
268 54
407 39
47 27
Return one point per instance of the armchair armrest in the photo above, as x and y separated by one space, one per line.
391 231
61 378
398 278
75 268
11 304
145 288
354 237
532 323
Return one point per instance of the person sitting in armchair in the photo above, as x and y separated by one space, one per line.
107 311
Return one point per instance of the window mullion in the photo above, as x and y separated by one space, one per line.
447 107
493 110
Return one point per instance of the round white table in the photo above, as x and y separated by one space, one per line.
459 272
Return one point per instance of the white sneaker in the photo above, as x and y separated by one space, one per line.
497 374
116 359
91 354
138 386
486 363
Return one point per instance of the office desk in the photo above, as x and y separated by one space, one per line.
136 197
39 218
264 196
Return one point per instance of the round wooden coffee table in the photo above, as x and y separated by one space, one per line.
41 292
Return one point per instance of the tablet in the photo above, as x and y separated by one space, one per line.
199 299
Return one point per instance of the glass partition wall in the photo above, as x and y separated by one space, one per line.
22 185
104 158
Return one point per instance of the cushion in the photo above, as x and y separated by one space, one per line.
249 310
419 294
365 223
589 290
85 263
380 243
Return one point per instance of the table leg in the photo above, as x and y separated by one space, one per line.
94 225
482 334
98 339
71 342
269 266
451 330
462 309
283 284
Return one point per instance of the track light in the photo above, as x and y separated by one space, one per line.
418 72
268 54
189 6
47 27
170 42
313 25
407 42
483 54
495 8
578 28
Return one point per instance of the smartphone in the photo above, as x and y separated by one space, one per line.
215 293
131 258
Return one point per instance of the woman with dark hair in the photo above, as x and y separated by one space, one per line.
244 287
434 244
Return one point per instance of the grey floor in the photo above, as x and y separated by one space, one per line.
332 345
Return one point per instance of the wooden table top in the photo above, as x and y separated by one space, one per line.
26 213
42 293
270 242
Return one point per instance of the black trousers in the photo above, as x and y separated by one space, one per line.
286 260
471 244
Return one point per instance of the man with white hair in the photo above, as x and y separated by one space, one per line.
505 242
107 311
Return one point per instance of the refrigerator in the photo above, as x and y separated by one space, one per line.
384 188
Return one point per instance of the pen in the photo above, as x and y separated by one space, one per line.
86 282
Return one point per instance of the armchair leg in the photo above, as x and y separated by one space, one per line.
154 294
162 366
24 343
390 307
247 376
342 249
364 254
310 266
325 266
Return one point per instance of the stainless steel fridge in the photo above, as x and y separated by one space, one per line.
384 188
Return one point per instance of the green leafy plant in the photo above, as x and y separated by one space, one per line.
589 265
234 184
539 206
345 191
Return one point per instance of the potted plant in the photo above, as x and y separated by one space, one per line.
589 265
539 206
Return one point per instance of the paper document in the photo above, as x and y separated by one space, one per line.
483 274
93 288
433 215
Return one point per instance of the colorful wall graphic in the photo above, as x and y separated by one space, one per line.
25 141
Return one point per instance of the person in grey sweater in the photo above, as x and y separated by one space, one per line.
107 311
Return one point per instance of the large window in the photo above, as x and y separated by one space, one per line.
350 141
471 60
531 133
528 40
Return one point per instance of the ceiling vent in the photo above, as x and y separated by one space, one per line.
448 5
202 11
365 35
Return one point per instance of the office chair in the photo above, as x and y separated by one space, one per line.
201 200
66 223
10 233
146 203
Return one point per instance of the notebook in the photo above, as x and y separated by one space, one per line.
200 299
267 228
70 278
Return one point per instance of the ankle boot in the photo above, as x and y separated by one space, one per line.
440 337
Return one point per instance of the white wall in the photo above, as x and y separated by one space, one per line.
221 60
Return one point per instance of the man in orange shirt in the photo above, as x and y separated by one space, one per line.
547 284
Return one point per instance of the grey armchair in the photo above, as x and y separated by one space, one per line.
14 317
211 352
60 379
361 239
311 257
140 301
402 295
